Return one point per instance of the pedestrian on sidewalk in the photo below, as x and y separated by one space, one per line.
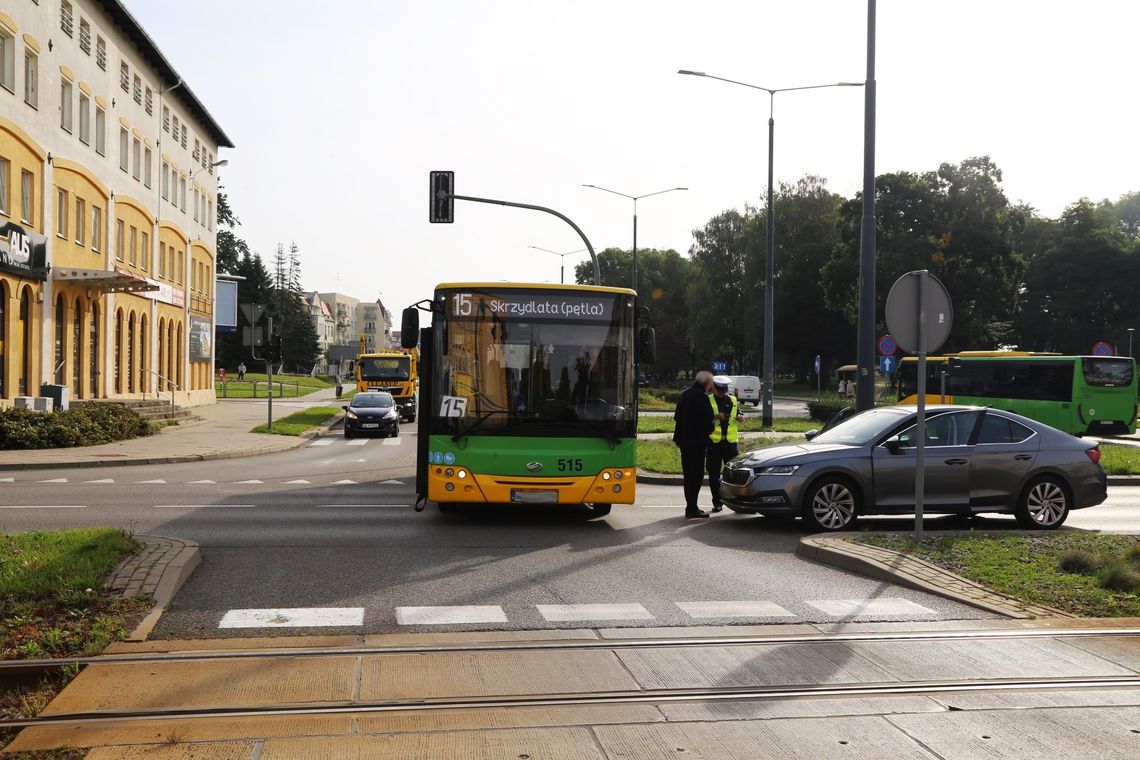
241 371
693 423
725 436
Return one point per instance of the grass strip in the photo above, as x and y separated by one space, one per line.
665 457
1029 567
300 422
1120 460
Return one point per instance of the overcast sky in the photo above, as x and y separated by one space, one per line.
339 109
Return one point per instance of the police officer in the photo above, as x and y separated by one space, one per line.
724 437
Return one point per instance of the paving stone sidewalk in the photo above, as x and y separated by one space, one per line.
142 572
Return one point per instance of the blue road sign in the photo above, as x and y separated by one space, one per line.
888 346
720 366
887 364
1103 349
817 364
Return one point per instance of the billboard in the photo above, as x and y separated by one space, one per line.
201 339
226 306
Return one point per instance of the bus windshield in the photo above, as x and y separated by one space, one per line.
384 368
534 362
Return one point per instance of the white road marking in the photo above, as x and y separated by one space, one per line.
370 506
855 607
297 617
357 442
7 480
249 482
202 482
345 483
42 506
733 609
204 506
53 480
560 613
104 480
297 482
450 615
392 483
158 481
392 441
322 442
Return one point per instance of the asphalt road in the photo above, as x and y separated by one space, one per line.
329 526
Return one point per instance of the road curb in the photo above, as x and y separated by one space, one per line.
159 569
841 550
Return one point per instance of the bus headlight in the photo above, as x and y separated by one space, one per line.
605 476
462 474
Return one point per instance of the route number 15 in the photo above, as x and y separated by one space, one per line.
462 304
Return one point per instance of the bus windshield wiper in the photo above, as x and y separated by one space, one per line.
474 425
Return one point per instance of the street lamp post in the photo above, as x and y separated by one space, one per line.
562 276
770 257
635 199
1130 331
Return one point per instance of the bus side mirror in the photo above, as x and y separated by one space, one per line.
410 327
647 345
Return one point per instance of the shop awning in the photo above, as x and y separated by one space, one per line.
105 281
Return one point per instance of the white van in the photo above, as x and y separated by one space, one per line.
745 387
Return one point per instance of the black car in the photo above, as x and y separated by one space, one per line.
372 412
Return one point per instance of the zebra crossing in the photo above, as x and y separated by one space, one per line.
700 612
332 441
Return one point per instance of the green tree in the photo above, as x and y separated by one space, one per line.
722 295
231 248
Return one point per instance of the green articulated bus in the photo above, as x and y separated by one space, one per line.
527 394
1082 395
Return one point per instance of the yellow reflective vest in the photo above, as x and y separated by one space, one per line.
733 427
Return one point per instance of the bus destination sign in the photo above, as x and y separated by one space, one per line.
523 306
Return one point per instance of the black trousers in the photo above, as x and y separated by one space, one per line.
693 467
717 455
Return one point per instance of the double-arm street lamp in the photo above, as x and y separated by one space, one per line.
562 256
770 258
635 199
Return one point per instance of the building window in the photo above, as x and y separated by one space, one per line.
124 149
5 192
119 239
162 259
147 166
179 269
182 185
165 181
7 60
194 195
124 76
27 197
133 250
175 129
148 100
80 221
101 52
210 215
65 104
144 250
210 165
65 18
165 119
85 36
96 228
137 90
61 213
136 156
31 78
197 148
84 119
184 131
100 130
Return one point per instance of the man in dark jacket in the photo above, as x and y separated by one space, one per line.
693 422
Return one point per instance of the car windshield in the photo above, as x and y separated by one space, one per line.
372 400
381 368
862 428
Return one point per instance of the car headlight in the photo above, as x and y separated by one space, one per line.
780 469
392 414
350 415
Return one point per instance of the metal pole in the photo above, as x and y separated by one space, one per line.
562 269
769 276
269 369
943 386
920 452
865 353
1130 331
634 285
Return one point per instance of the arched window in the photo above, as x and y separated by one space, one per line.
162 351
3 338
60 371
77 350
144 355
180 353
96 326
132 354
25 341
118 351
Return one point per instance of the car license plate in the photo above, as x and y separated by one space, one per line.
533 497
370 425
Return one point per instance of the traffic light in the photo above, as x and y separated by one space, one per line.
275 350
441 208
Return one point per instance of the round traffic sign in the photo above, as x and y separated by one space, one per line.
903 316
1102 349
888 346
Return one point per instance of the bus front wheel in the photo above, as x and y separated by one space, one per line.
598 510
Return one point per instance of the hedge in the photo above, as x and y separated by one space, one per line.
84 424
825 410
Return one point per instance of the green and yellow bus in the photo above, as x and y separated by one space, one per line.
1082 395
527 394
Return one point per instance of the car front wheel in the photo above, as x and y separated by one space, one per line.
831 505
1044 505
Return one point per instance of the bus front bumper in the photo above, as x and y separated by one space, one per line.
457 484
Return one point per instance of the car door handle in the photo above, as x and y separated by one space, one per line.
1023 457
957 461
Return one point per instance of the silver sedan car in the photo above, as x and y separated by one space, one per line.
977 460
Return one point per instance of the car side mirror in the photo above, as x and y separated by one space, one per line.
344 407
811 433
894 445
